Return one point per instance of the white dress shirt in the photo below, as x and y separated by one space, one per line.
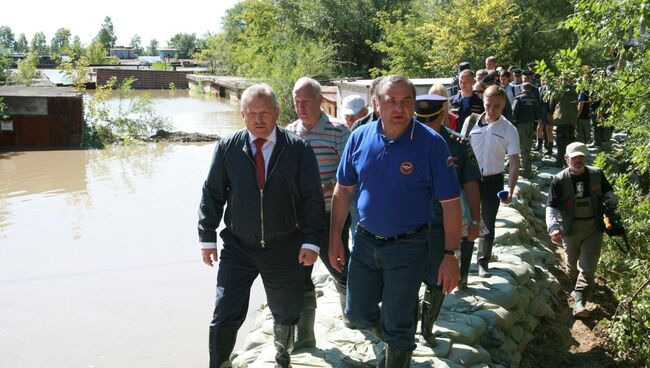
491 142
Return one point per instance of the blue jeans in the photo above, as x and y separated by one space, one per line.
387 272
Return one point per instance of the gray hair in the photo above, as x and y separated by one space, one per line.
255 91
393 79
306 81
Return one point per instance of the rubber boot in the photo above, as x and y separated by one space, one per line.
466 250
549 148
579 309
396 358
484 255
221 343
305 337
540 145
431 304
283 338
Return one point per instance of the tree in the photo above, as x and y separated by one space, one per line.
7 40
136 44
26 68
106 36
615 32
213 55
184 43
76 49
152 49
96 54
61 41
39 43
21 44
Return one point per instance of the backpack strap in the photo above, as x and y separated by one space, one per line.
473 118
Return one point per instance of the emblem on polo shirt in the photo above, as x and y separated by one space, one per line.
406 168
451 161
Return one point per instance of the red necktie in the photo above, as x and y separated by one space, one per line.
259 160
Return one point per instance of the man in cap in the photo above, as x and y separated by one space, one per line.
372 115
536 77
399 167
431 110
257 174
327 136
453 88
515 85
353 107
574 215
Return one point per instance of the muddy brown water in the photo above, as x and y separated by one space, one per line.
99 261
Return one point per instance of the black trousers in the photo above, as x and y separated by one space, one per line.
489 187
341 278
565 134
282 276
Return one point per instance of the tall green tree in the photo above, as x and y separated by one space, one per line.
76 49
106 36
98 55
184 43
21 44
214 54
136 43
26 68
61 41
7 39
39 43
152 49
616 32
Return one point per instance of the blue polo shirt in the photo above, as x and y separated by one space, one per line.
397 180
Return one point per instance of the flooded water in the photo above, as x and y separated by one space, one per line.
99 261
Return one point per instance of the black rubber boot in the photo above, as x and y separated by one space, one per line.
484 255
396 358
221 342
431 304
466 250
305 337
579 305
540 145
283 338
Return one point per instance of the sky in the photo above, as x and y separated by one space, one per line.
160 19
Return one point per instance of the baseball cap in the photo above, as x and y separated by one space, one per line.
352 104
576 149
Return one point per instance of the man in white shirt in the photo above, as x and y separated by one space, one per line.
492 138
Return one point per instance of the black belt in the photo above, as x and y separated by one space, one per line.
406 235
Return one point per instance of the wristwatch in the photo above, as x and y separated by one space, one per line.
453 252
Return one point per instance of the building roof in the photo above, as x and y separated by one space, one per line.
28 91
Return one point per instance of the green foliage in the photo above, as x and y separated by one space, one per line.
106 36
61 41
136 43
262 46
76 49
152 49
21 44
7 40
39 43
5 63
428 41
611 32
161 65
26 69
3 110
77 70
134 118
214 54
96 54
184 43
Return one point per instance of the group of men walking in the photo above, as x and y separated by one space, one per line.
415 193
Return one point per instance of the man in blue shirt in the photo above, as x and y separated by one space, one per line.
398 167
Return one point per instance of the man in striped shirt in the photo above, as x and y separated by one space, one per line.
327 136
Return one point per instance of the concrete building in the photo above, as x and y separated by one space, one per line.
123 52
41 117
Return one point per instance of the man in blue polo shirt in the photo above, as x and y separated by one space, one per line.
398 167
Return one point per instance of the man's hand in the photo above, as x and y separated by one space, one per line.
473 231
209 255
307 257
336 254
448 274
508 200
556 236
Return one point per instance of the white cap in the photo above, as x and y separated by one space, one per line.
352 104
576 149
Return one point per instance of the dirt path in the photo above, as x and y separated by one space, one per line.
568 342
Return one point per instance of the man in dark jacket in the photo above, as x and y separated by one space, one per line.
525 114
274 219
466 101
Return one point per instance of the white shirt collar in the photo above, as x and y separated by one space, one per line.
272 138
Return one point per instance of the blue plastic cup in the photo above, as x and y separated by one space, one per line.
503 195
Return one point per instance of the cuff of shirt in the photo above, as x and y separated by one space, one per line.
206 245
312 247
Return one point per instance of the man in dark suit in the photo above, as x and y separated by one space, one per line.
267 178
